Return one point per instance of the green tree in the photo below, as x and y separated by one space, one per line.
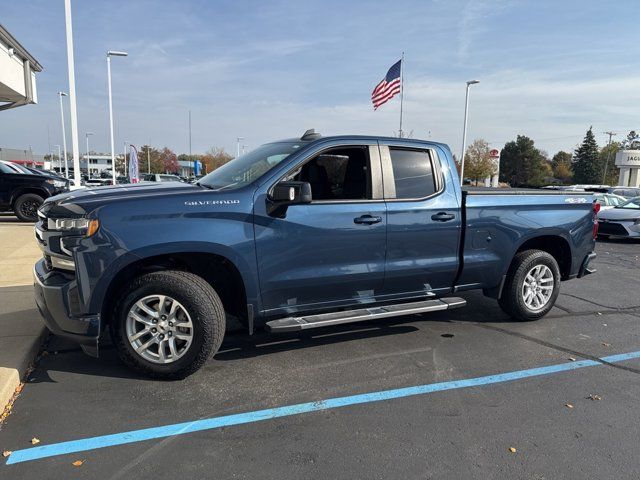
561 165
149 157
478 164
586 161
521 163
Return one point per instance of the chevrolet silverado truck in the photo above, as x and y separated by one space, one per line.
301 233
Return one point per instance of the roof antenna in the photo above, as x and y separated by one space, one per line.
310 135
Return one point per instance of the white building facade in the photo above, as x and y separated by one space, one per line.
17 73
628 161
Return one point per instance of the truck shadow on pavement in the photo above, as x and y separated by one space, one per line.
61 355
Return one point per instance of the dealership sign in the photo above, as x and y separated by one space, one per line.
628 158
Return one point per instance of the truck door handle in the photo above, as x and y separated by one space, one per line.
442 217
367 220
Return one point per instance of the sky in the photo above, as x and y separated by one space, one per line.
266 70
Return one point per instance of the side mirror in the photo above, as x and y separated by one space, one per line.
291 193
284 194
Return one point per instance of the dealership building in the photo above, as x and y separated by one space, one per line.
18 71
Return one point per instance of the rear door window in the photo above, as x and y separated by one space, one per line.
412 173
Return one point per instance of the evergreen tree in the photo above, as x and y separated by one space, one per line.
521 163
586 161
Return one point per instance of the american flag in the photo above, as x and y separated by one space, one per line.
388 87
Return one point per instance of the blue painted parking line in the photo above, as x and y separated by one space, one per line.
133 436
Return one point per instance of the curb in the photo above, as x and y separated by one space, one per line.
11 376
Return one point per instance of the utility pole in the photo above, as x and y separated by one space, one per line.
606 165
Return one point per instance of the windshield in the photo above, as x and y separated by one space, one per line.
633 203
247 168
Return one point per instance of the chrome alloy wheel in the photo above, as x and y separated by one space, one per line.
537 288
159 329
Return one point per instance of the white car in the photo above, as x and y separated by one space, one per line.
621 221
608 200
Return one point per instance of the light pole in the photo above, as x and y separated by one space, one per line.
238 139
59 159
73 111
64 135
112 53
125 157
464 130
86 136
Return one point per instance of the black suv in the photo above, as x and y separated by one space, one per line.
24 191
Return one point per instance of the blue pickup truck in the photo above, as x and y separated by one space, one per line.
300 233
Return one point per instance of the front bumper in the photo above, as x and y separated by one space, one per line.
618 228
56 295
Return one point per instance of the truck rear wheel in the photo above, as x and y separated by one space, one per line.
168 324
26 207
532 286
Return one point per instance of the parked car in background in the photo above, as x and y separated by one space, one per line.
160 177
621 221
24 191
608 200
50 173
626 192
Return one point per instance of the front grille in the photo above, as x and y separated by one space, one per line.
609 228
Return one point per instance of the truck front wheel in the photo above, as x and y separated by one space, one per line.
168 324
532 285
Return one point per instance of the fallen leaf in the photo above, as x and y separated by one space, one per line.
78 463
594 397
573 359
599 313
6 453
512 450
568 405
19 388
604 344
35 441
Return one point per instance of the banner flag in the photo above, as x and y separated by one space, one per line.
133 164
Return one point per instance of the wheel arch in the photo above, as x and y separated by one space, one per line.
25 190
224 275
555 245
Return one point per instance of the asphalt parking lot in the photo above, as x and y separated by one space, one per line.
344 402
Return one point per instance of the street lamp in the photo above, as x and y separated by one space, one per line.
86 136
112 53
238 139
124 159
64 135
464 130
59 159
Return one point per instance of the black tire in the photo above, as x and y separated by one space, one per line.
512 299
200 301
26 207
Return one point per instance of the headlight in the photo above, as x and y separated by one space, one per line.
83 226
57 183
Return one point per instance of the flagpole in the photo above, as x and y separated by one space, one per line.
401 90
